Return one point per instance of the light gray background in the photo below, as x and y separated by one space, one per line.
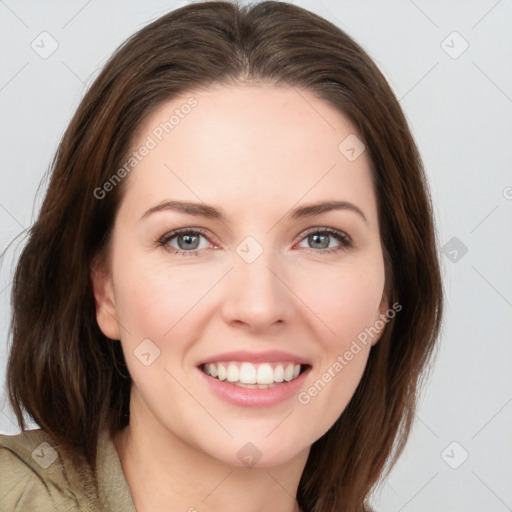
460 112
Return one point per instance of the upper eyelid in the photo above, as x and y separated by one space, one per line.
176 232
325 229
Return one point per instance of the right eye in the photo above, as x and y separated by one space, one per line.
187 239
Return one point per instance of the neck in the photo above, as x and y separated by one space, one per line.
166 473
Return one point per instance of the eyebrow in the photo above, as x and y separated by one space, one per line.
210 212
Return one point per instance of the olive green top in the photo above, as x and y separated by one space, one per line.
35 477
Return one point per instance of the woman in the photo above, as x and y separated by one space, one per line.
232 288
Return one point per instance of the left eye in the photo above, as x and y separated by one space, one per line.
320 239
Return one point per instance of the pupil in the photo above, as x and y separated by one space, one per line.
190 239
322 245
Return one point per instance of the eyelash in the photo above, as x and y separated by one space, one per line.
344 239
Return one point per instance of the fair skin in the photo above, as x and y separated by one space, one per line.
257 153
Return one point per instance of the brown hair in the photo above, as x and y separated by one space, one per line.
69 377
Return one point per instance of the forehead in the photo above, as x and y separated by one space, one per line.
246 147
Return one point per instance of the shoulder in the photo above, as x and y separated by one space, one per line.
33 475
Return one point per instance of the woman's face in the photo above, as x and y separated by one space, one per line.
247 286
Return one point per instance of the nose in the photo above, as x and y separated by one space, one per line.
257 294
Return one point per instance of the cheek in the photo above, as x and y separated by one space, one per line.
155 308
167 306
345 300
347 304
152 298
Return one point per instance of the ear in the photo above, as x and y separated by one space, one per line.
382 318
106 313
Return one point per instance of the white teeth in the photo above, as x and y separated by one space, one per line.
288 373
253 375
221 371
265 374
248 373
254 386
279 373
233 373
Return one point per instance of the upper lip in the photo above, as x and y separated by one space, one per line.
270 356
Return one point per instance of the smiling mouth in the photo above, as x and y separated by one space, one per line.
255 376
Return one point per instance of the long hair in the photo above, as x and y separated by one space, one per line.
73 381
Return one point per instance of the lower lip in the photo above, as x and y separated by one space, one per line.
248 397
